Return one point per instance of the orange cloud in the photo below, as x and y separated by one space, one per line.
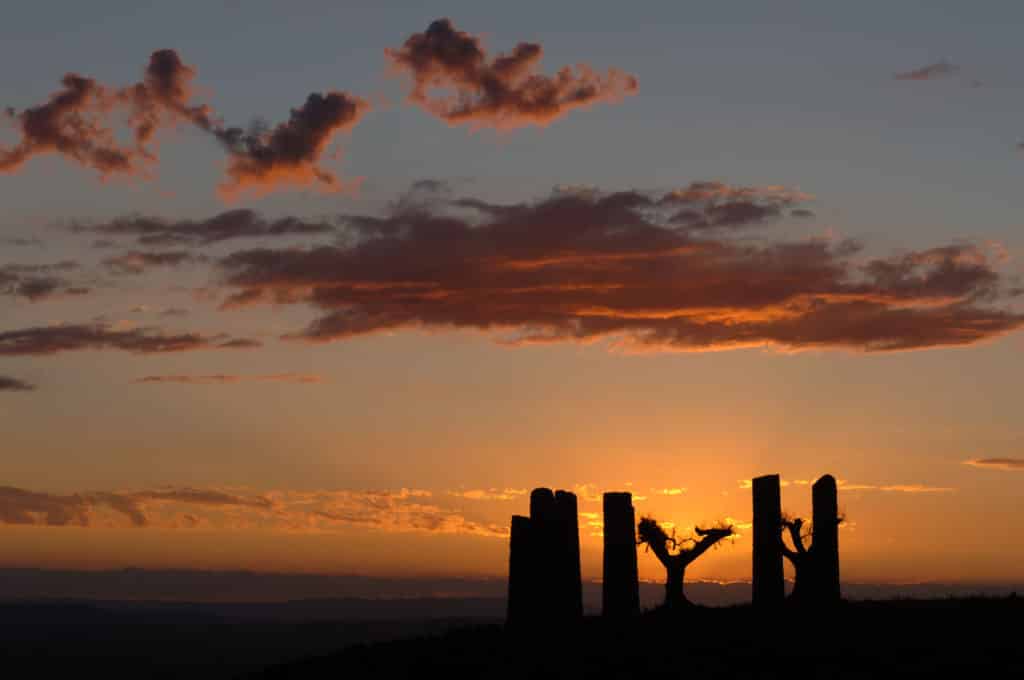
403 510
505 91
582 267
489 494
289 154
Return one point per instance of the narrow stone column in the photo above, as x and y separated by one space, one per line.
825 540
620 592
521 606
769 588
569 583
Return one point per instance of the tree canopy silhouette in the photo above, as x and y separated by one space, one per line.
687 550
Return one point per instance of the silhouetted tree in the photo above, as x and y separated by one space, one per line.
808 563
687 550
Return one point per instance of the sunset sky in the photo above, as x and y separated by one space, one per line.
329 287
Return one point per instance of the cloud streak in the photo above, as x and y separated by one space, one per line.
401 511
137 262
231 224
1007 464
936 71
504 91
228 379
585 266
9 384
50 340
845 485
37 282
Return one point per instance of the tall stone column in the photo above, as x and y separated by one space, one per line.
620 592
545 552
569 584
825 539
768 580
521 591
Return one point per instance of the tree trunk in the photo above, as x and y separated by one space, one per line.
674 597
805 578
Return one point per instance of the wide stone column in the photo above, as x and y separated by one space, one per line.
521 589
620 592
769 588
568 582
825 539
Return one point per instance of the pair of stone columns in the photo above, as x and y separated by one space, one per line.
768 582
544 582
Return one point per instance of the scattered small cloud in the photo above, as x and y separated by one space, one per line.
674 491
80 123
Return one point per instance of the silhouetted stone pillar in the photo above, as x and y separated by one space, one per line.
825 539
521 601
568 584
544 537
769 588
620 592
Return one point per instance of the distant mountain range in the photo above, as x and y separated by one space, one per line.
243 595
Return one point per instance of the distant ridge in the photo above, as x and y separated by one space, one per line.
325 593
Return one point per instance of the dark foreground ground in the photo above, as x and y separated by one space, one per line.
960 638
970 639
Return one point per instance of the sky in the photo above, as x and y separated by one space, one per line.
329 288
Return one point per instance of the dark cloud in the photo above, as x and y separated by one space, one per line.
228 379
37 282
582 266
9 384
940 69
289 154
137 262
47 340
504 91
80 121
1009 464
231 224
21 242
71 124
